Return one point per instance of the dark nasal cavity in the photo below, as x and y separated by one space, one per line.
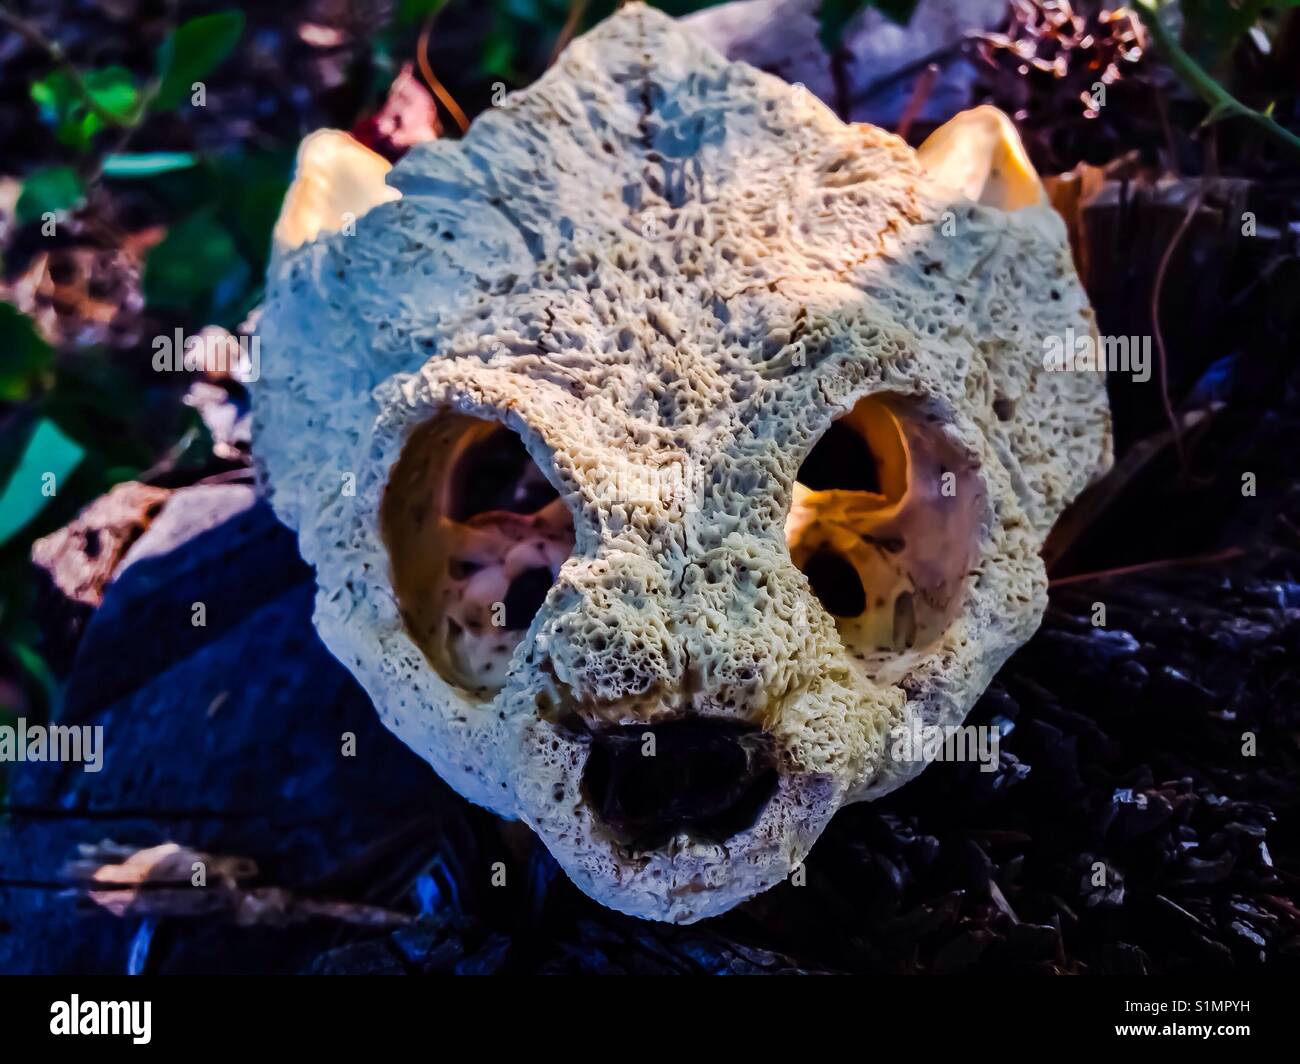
710 778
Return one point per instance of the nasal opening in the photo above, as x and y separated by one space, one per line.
710 779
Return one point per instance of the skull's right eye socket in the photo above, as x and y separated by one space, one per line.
883 524
476 534
840 461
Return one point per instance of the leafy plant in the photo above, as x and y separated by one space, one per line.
82 425
79 106
191 263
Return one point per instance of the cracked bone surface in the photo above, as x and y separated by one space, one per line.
666 447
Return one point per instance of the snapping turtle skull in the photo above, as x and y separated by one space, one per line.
666 446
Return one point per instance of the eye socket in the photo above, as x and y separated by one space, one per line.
497 473
843 475
884 524
840 461
476 534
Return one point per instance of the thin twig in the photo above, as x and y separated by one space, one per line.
939 57
1157 288
147 96
916 102
168 461
439 90
1163 563
577 9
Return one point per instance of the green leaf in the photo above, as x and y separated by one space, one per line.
23 353
416 10
189 54
39 670
191 262
252 189
48 451
113 89
75 120
53 94
498 55
148 164
53 188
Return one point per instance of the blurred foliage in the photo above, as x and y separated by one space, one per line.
196 48
70 426
79 107
50 190
1212 29
26 354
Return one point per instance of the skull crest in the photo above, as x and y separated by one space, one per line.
666 446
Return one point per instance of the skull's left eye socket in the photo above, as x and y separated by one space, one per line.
495 472
476 534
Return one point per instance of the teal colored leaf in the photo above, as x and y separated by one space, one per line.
148 164
27 492
192 51
53 189
23 353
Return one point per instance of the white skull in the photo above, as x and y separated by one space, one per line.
666 445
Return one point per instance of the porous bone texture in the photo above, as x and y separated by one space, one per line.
660 268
